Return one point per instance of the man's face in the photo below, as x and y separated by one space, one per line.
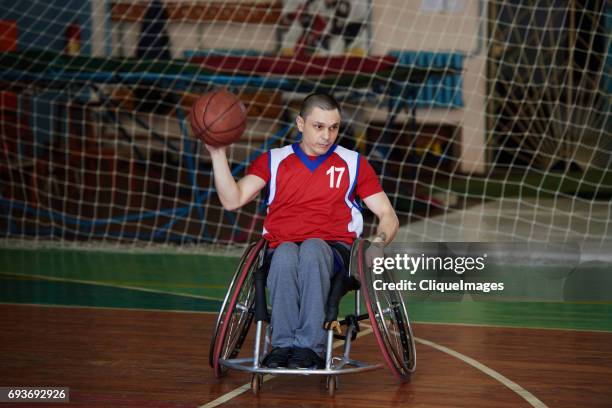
319 130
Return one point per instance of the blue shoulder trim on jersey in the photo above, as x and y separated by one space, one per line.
270 180
311 164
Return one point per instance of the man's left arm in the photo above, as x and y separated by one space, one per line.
388 223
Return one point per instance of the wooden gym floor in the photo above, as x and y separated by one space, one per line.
128 330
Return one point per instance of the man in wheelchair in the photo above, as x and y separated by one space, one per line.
312 219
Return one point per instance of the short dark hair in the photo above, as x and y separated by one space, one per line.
318 100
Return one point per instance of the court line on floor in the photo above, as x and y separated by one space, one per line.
501 326
522 392
246 387
98 283
131 309
142 309
111 285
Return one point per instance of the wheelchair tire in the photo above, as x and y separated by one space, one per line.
223 309
389 319
256 383
233 322
331 385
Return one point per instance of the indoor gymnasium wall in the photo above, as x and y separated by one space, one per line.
187 37
397 25
184 36
121 39
404 25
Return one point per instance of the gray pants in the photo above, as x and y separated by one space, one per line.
299 280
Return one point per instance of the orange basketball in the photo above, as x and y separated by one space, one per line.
218 118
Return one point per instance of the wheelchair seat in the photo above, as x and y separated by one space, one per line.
341 283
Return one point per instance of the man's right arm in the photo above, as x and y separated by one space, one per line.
232 194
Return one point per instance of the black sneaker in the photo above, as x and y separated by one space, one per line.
305 358
278 357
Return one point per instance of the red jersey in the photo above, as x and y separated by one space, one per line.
314 196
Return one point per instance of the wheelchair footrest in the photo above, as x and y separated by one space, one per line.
345 367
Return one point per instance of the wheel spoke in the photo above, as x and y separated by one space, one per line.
389 318
237 311
242 307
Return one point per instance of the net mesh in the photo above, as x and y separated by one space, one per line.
486 120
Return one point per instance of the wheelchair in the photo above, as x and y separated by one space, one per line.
245 302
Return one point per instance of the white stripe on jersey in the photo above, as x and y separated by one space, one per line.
276 157
351 158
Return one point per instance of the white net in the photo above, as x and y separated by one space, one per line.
486 120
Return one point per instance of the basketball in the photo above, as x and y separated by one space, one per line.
218 118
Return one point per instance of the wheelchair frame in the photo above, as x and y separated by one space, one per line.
245 301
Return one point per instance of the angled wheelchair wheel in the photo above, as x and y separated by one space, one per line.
388 317
236 312
224 306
